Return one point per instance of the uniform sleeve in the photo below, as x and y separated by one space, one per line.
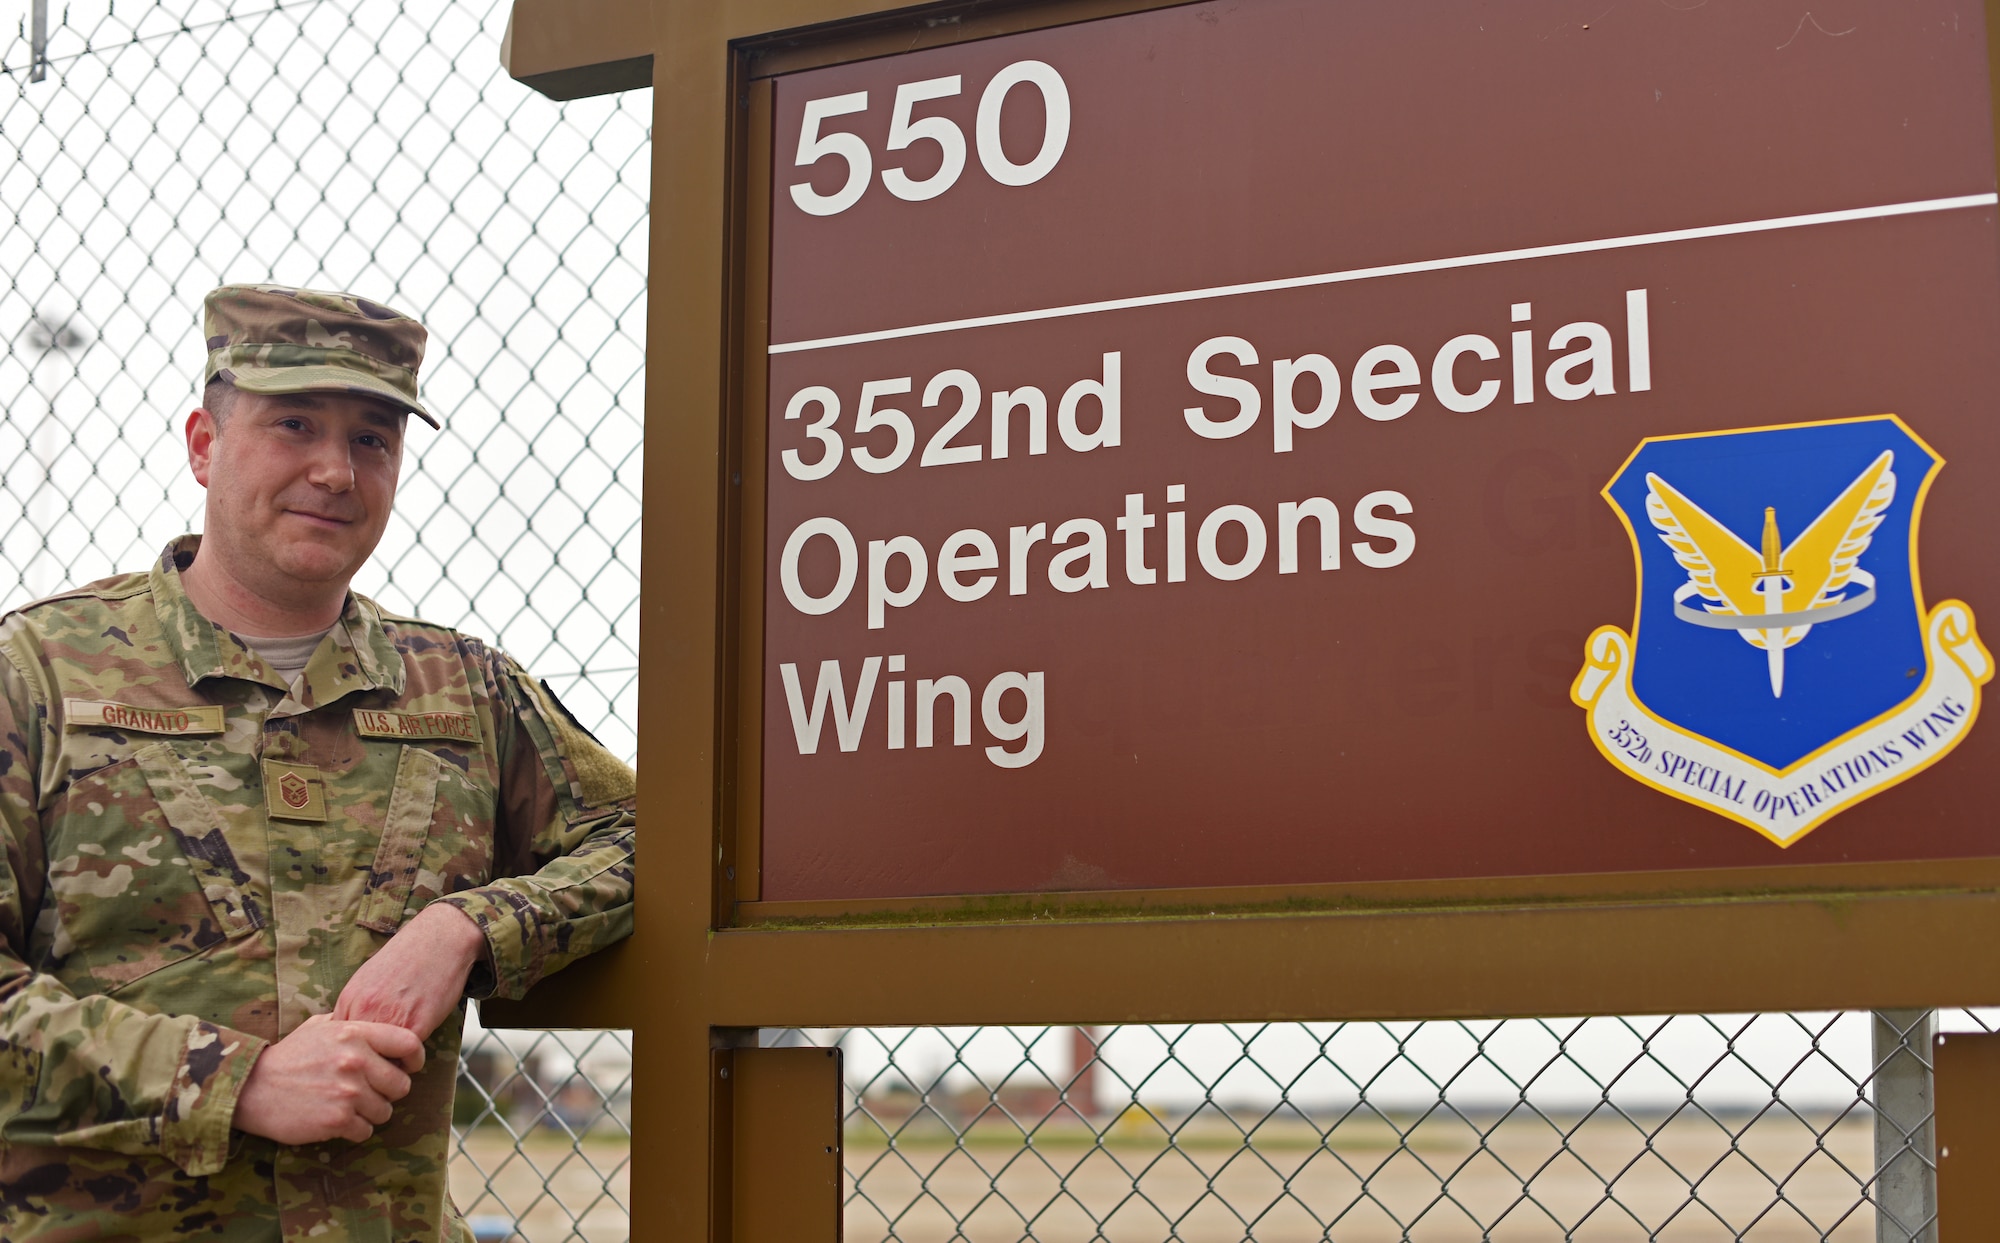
91 1072
564 849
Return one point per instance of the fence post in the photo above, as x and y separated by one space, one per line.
1905 1136
1081 1093
38 40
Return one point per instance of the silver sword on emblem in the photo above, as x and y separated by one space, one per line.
1771 584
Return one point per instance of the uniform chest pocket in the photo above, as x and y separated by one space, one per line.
143 873
436 839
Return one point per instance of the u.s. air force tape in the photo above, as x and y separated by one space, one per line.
104 714
460 726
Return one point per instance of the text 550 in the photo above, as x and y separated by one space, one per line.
906 130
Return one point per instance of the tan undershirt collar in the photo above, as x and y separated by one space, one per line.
289 655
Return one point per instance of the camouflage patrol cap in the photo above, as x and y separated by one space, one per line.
276 339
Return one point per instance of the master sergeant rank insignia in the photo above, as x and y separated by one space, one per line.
293 791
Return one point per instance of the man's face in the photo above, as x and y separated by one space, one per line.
299 486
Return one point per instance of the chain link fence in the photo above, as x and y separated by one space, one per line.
155 148
1693 1127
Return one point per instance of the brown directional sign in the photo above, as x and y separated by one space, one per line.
1184 435
1487 503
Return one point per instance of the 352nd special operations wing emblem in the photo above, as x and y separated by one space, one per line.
1781 665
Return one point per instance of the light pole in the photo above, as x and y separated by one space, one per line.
49 334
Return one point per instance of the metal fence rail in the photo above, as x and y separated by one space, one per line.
154 148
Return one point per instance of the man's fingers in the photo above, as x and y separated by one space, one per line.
374 1109
398 1044
388 1080
330 1079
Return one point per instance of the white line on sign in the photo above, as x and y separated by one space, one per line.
1399 269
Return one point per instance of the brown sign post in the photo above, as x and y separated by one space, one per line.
1145 506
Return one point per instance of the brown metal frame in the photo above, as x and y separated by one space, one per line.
708 957
1966 1088
775 1130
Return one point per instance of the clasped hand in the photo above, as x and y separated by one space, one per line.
339 1075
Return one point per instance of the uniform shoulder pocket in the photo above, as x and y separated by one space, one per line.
598 777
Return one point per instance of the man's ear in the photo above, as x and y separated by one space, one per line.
201 434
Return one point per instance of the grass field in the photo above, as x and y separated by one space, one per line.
554 1191
1523 1184
1770 1180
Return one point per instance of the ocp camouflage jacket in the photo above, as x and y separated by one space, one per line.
198 857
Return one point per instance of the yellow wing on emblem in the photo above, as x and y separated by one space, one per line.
1721 566
1822 558
1816 566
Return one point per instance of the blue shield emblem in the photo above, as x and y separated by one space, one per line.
1782 664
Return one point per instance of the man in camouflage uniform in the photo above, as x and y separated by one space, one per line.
248 881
